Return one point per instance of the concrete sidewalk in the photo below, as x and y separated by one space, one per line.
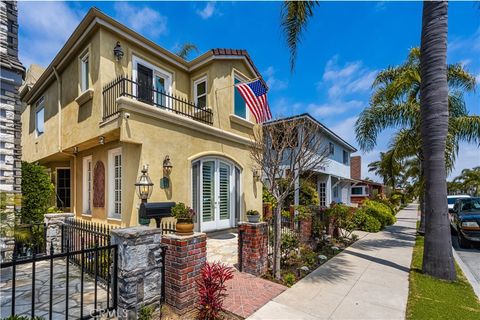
368 280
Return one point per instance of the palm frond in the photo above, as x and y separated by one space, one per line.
186 49
459 78
294 20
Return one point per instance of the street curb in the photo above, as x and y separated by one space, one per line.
467 273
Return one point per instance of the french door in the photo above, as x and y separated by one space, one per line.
154 85
216 205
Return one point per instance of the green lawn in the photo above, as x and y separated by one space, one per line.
430 298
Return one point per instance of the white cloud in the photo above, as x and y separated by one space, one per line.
283 107
272 82
208 11
468 157
344 80
380 6
45 26
142 20
333 108
345 129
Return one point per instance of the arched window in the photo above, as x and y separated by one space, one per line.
215 193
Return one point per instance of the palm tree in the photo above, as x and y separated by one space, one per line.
433 125
467 182
186 49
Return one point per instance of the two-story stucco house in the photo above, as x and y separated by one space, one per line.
112 101
333 177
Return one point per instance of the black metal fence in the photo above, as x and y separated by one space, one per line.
289 229
81 234
125 87
63 285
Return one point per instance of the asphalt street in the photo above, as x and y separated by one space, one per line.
470 257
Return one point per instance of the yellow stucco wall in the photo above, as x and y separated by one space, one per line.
144 139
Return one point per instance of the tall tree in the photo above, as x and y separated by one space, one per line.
437 254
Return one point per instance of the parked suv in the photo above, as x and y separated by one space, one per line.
466 221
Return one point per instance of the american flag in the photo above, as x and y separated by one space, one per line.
255 95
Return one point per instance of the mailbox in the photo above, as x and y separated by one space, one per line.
156 210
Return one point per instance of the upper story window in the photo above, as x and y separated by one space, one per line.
345 157
200 92
84 72
240 107
331 148
40 116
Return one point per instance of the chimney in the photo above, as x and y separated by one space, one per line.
356 167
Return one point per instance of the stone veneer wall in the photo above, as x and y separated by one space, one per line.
185 257
140 259
253 247
53 223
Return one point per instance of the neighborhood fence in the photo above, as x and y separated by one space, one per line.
289 229
78 235
69 292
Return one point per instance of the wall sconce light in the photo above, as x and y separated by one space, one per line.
101 140
144 185
75 150
167 165
256 174
118 51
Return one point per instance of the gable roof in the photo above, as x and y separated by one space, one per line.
322 127
95 18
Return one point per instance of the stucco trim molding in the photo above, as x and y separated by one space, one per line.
84 97
242 122
130 105
206 154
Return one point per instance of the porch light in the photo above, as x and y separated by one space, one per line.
256 174
167 165
144 185
118 51
101 140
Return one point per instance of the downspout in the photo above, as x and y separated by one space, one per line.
59 141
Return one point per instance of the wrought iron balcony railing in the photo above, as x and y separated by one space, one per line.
124 87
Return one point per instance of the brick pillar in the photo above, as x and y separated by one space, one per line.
184 259
306 230
140 258
253 247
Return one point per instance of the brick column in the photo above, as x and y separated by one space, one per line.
184 259
306 230
139 268
253 247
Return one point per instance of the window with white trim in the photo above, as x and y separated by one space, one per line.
84 72
87 185
40 116
240 107
322 194
200 92
115 183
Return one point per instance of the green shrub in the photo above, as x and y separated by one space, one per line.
146 312
308 256
267 197
37 191
342 217
289 279
365 222
379 211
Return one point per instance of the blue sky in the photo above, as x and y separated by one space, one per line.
345 45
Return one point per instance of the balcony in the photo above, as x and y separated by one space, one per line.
124 87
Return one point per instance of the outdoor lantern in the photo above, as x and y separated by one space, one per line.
256 174
144 185
167 165
101 140
118 51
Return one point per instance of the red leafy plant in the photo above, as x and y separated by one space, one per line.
212 289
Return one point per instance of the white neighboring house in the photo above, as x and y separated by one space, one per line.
333 178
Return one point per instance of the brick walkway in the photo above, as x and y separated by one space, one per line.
247 293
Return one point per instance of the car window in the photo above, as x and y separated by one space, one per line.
471 205
451 200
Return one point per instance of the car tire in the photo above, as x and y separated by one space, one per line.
462 242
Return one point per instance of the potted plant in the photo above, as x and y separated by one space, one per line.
253 216
184 216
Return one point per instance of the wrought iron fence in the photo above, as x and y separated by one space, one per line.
80 234
125 87
289 228
66 284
